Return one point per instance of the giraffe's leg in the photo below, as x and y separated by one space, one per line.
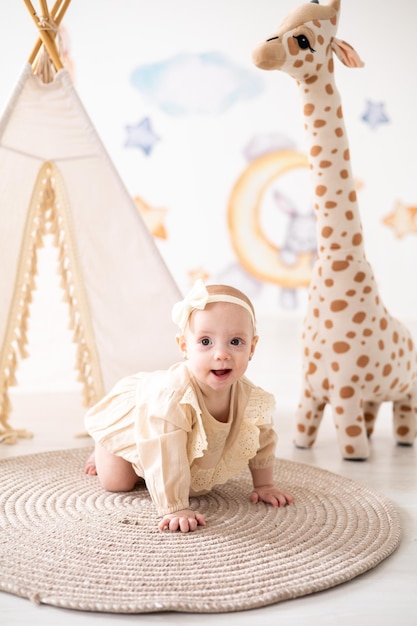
370 412
348 415
307 420
405 419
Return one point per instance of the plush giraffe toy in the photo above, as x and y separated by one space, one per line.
355 355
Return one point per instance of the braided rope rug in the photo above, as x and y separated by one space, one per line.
67 543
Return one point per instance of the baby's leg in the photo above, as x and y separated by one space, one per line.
114 473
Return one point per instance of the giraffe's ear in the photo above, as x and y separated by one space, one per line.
346 53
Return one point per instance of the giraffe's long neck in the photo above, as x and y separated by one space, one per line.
339 230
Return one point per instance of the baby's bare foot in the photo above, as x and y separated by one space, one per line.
90 465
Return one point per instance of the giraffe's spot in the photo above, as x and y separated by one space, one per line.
347 392
328 324
311 79
321 190
383 323
329 282
353 431
349 450
402 431
327 232
309 58
309 108
349 215
301 428
329 89
293 46
346 154
339 112
339 132
316 312
394 383
369 417
311 430
359 277
339 410
338 305
298 63
350 293
405 408
367 289
369 377
319 123
315 151
330 204
352 196
340 347
311 369
359 317
386 370
344 174
339 266
335 366
351 334
354 379
362 361
326 384
357 239
381 345
410 344
324 164
317 355
395 337
335 246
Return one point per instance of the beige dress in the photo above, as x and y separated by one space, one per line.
158 422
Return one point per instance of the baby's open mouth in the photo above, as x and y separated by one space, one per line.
221 372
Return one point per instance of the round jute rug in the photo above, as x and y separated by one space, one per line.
67 543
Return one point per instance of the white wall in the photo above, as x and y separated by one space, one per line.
199 156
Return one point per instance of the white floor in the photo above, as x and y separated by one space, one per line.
386 595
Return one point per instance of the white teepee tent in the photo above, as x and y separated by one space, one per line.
56 177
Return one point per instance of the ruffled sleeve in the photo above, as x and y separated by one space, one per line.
164 424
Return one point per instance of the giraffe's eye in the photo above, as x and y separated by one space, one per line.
303 42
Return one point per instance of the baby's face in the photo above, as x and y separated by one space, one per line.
219 340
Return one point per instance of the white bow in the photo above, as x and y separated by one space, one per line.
196 298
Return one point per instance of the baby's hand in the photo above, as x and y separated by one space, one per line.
271 495
184 520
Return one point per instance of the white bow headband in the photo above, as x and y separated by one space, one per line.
197 298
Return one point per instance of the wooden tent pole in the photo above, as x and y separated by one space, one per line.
57 13
47 40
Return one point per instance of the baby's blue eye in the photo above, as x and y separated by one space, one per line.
205 341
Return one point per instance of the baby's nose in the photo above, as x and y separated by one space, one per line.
222 353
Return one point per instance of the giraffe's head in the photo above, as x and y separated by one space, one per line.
304 42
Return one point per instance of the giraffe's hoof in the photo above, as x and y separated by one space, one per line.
350 458
405 444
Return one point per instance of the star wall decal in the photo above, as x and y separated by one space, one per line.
141 136
196 273
153 217
402 219
375 114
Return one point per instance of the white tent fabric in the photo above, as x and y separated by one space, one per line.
56 177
